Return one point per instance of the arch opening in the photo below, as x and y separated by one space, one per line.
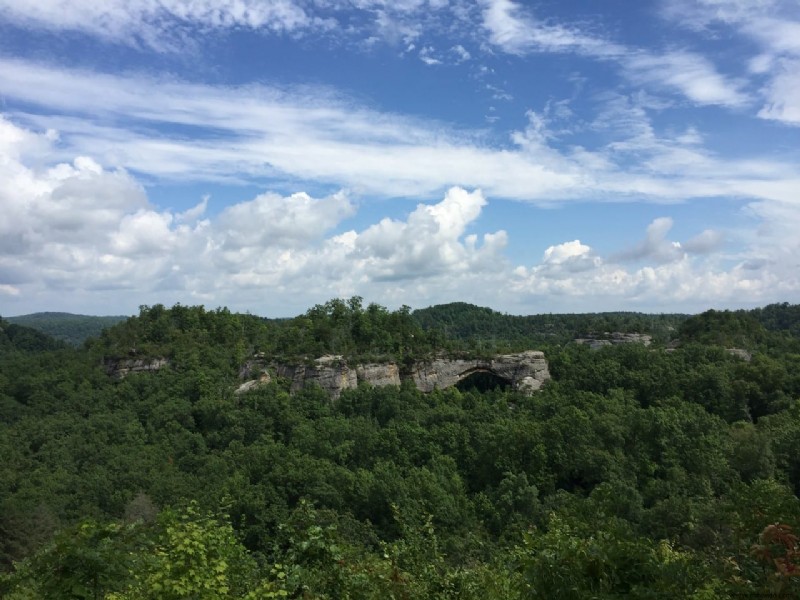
482 380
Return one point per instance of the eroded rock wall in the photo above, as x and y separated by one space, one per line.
525 371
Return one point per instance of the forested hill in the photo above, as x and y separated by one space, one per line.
668 471
467 325
15 337
765 328
469 322
67 327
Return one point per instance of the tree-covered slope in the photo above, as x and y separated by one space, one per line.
487 327
15 337
637 472
67 327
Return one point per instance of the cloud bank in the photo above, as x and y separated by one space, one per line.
86 236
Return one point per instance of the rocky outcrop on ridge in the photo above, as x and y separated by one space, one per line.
598 341
525 371
118 369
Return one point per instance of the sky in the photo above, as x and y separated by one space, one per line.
267 155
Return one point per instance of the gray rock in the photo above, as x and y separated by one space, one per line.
740 353
525 371
378 375
263 379
595 342
122 368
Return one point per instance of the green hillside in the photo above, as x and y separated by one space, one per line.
487 327
636 472
69 328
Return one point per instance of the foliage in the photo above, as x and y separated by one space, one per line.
637 471
66 327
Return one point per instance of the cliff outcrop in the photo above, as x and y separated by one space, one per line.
597 341
524 371
118 369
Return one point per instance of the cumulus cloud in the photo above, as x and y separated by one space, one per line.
429 242
704 242
274 220
74 229
83 236
655 246
668 275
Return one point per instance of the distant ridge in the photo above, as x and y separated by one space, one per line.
67 327
464 321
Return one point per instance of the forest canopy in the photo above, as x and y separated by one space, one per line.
662 471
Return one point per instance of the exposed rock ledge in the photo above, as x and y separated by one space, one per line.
595 342
525 371
120 368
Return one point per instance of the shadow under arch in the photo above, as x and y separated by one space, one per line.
482 380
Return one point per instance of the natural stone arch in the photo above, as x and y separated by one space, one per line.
525 372
482 378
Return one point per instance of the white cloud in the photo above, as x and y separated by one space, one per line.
772 24
565 252
689 282
172 25
79 236
273 220
77 231
516 32
704 242
313 135
158 25
9 290
782 95
430 242
426 55
461 53
691 74
655 246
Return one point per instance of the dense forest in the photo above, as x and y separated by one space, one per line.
663 471
69 328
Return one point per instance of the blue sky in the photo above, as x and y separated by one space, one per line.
549 156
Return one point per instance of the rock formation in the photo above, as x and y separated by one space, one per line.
120 368
597 341
525 371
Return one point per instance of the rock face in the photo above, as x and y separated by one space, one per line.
120 368
525 371
595 342
740 353
331 373
263 379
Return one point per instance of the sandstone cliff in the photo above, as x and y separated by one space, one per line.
120 368
525 371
